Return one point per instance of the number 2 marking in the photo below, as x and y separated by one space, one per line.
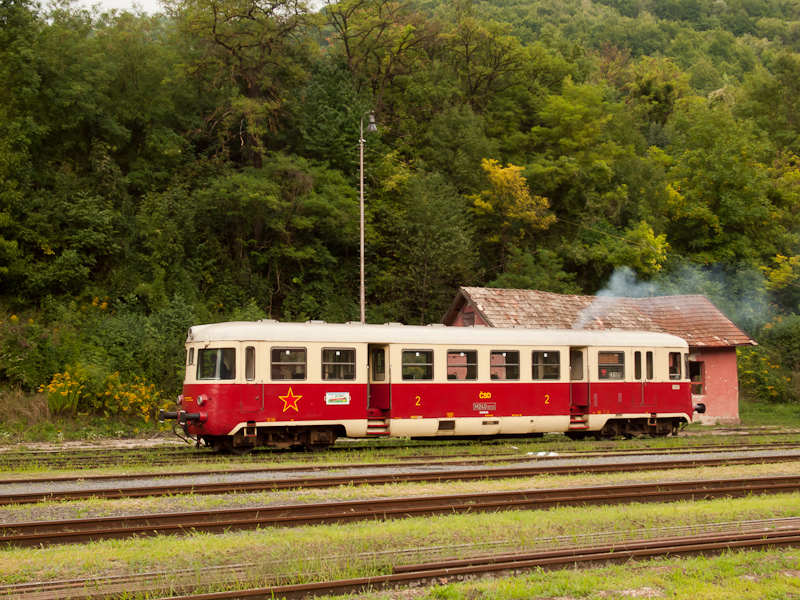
547 398
418 401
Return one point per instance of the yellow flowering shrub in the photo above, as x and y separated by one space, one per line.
137 398
68 393
64 393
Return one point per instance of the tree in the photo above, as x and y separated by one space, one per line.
720 209
255 53
429 254
507 213
380 41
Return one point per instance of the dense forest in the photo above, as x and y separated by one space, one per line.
202 164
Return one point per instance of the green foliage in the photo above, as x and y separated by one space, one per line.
160 172
764 380
539 270
28 352
77 389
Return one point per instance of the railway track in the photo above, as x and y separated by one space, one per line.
35 534
379 479
448 460
81 460
407 574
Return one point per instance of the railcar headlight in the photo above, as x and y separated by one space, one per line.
179 401
201 400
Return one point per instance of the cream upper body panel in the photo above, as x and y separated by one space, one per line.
337 333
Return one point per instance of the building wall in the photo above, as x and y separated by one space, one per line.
467 317
720 385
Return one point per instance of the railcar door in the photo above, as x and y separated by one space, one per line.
644 373
379 392
579 380
252 391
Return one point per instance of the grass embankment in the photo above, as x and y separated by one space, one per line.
362 549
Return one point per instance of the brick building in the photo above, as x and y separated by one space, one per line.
712 337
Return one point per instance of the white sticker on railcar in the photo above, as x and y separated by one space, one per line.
675 386
337 398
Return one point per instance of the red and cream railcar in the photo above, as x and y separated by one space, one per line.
305 384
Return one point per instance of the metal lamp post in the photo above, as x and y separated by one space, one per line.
371 127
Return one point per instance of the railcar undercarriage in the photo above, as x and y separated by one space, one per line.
631 428
245 440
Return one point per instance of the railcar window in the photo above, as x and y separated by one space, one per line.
288 363
417 364
216 363
611 365
576 365
546 364
674 365
462 364
190 357
504 364
338 363
378 365
637 366
250 363
649 366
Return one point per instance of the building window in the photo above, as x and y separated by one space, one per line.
417 364
697 375
504 364
216 363
468 319
546 364
288 363
250 363
611 365
338 363
462 364
674 365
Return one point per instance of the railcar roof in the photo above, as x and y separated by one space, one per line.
390 333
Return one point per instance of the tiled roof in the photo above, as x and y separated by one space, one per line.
694 318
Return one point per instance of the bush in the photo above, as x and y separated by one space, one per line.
762 379
63 393
71 392
28 354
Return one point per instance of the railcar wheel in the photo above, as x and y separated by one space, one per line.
224 445
316 447
229 448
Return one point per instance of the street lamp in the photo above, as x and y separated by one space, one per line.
371 127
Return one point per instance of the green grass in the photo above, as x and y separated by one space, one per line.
753 414
339 551
769 575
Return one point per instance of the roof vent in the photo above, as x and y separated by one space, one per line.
267 321
436 325
316 322
393 324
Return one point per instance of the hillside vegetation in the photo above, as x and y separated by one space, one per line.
202 164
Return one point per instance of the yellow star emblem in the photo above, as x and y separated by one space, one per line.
290 401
